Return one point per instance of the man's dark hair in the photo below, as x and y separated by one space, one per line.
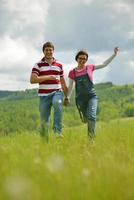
47 44
82 52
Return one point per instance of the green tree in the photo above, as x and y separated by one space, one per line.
129 110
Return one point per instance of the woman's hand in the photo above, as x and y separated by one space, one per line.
116 49
66 101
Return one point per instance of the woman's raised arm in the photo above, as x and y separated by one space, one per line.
106 62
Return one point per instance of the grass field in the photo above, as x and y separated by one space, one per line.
71 168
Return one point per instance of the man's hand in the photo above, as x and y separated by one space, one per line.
39 79
50 77
66 101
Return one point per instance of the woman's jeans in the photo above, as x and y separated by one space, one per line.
91 116
54 100
88 111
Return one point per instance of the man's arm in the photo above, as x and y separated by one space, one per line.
64 86
70 87
39 79
106 62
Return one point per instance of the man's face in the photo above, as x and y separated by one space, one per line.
48 52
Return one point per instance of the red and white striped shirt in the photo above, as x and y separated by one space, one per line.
42 68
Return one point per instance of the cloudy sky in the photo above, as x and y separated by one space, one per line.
94 25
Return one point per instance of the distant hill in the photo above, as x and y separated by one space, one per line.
115 93
19 109
5 95
105 91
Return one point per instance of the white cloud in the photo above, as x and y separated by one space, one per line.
121 6
23 31
87 1
131 34
131 64
96 26
16 61
12 51
16 54
28 10
25 19
121 70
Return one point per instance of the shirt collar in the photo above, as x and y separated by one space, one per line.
43 60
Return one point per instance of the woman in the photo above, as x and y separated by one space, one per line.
85 96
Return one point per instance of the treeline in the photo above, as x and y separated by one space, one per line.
115 101
12 95
19 109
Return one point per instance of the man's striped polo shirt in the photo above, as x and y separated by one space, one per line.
42 68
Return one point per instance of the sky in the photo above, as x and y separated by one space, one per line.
96 26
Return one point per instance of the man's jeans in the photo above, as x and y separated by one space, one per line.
46 103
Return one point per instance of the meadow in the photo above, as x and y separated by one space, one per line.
71 168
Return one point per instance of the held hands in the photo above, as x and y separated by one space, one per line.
116 49
66 101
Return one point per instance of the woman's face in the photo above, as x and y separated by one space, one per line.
82 59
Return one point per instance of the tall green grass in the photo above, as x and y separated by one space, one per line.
71 168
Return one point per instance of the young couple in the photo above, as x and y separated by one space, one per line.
48 73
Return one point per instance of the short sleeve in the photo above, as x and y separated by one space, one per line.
61 71
91 67
36 69
71 75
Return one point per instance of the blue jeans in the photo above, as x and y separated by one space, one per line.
91 116
46 103
87 110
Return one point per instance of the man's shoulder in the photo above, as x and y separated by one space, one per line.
41 63
38 62
57 63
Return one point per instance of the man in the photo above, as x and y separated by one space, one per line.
48 73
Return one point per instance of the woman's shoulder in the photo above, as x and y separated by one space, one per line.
90 67
71 73
72 70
